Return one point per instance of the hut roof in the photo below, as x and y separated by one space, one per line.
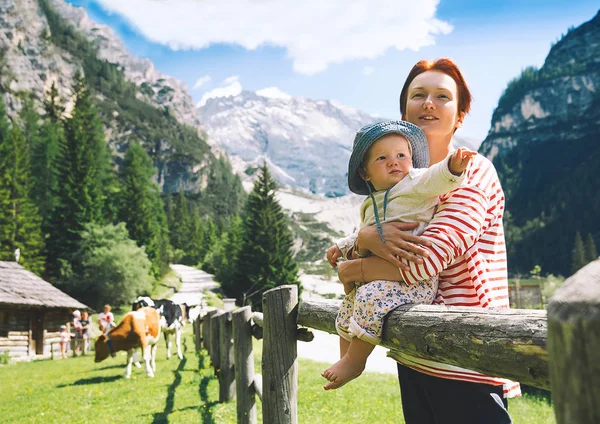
21 287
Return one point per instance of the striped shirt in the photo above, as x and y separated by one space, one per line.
469 254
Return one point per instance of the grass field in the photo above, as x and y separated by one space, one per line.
78 390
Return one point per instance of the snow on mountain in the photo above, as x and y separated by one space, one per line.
308 141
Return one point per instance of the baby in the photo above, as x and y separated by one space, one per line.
389 163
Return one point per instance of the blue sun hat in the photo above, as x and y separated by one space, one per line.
365 138
369 134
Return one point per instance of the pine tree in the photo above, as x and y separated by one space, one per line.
6 218
24 225
591 254
578 254
84 170
141 208
265 259
52 105
225 271
180 227
44 156
197 247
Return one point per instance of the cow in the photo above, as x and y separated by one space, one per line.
140 328
171 320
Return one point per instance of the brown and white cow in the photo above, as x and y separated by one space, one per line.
140 328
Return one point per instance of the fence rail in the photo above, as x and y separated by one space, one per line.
504 343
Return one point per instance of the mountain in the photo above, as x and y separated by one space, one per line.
48 41
306 142
545 143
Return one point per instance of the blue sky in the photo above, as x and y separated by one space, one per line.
357 52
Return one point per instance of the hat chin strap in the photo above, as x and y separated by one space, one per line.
377 221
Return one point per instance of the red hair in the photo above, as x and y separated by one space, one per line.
446 66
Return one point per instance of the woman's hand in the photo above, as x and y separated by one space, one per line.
398 243
333 254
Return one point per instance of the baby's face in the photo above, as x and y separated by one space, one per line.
387 161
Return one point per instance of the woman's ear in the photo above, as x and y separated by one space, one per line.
460 120
363 173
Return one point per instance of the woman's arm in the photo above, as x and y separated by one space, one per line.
366 270
398 243
460 220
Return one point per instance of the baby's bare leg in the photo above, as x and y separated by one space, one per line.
344 344
350 366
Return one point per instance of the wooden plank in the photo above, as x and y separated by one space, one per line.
17 337
13 342
244 366
226 373
258 385
509 343
280 357
573 344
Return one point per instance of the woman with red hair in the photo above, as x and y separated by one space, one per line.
463 243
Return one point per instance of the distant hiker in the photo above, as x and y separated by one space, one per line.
389 163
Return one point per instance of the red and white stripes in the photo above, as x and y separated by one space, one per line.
469 254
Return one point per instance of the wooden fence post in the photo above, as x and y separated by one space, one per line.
215 355
197 334
226 373
279 360
574 346
206 329
244 366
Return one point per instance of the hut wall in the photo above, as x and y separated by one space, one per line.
14 332
53 319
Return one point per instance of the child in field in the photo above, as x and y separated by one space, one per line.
106 319
389 162
65 339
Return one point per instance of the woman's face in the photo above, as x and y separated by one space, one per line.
432 104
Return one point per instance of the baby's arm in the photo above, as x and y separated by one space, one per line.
445 176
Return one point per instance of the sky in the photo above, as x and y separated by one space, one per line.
357 52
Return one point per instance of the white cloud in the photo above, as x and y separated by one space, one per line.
231 90
273 93
201 81
314 33
368 70
231 79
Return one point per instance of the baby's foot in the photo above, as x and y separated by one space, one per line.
342 372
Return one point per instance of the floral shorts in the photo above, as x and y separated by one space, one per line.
363 310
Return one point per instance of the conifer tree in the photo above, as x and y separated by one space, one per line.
265 258
44 155
6 218
180 227
231 245
197 248
141 208
24 224
84 171
578 254
591 254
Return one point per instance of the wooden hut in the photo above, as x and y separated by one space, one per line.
31 313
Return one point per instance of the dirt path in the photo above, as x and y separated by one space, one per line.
193 283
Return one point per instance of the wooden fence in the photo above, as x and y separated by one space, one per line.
505 343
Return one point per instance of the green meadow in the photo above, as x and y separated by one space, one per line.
79 390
